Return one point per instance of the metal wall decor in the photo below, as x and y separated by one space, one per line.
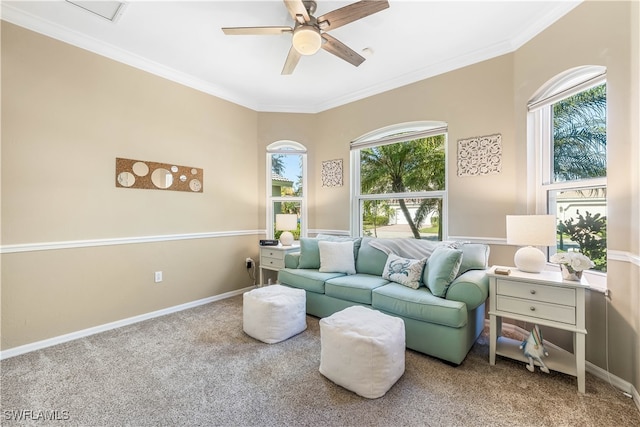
332 173
481 155
158 176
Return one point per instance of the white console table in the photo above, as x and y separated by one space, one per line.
272 257
544 299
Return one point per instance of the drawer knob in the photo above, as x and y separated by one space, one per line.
532 308
532 291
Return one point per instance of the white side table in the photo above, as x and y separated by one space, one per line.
544 299
272 257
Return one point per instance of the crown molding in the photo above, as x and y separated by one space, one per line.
47 28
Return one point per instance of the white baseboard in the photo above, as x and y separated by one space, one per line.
16 351
617 382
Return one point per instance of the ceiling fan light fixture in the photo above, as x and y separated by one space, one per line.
307 40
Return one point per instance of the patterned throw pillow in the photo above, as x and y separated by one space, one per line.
405 271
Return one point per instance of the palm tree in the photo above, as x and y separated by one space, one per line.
580 152
580 135
416 165
277 164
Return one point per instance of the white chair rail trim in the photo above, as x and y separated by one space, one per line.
71 244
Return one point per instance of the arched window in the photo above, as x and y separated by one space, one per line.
399 181
568 127
286 186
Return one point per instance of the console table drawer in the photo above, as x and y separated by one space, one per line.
541 310
269 262
271 253
535 292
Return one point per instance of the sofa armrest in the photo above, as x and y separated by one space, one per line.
471 288
291 260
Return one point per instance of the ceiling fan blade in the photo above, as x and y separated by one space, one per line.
297 10
350 13
292 60
341 50
256 31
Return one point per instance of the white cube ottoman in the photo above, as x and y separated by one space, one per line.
362 350
274 313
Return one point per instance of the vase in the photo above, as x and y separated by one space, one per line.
575 276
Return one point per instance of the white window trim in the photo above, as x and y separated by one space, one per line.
539 136
384 136
286 147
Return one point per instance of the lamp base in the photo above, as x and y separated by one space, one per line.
530 259
286 238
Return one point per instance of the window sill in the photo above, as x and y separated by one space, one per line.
597 281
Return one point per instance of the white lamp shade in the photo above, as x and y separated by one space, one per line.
306 40
286 222
529 231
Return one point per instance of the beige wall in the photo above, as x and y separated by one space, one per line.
81 121
600 33
473 101
491 97
66 115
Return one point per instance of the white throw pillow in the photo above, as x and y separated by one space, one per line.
405 271
336 257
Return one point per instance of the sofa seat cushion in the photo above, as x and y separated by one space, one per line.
419 304
355 288
307 279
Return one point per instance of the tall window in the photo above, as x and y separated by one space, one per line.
399 182
570 116
286 186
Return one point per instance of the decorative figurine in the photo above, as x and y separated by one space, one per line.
534 349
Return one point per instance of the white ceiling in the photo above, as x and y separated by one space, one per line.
183 41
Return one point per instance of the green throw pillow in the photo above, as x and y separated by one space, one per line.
309 253
442 268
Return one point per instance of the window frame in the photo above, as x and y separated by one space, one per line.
290 148
386 136
540 133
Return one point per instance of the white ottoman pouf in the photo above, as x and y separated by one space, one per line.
362 350
274 313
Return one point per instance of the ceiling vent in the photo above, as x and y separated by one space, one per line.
110 10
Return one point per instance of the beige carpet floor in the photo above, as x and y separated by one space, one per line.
197 368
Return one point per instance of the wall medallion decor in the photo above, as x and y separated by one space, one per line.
332 173
158 176
481 155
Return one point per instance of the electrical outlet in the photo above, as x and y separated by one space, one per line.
158 276
249 263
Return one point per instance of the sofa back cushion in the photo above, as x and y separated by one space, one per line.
475 256
441 269
370 260
310 253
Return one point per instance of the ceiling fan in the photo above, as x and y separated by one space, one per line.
310 33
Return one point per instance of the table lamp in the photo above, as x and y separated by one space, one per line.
286 223
529 231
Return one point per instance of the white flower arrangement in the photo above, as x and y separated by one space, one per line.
573 261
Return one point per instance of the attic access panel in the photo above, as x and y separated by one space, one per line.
110 10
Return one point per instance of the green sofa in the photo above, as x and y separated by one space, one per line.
444 326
